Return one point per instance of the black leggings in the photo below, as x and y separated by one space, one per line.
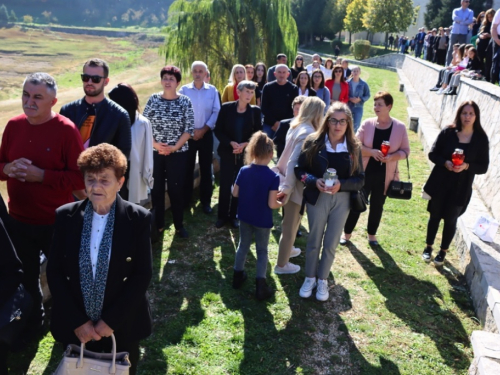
450 226
374 189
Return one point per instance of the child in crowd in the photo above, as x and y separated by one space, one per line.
257 188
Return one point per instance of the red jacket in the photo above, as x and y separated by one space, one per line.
344 90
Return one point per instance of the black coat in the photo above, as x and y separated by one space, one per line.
477 156
111 125
125 307
224 127
11 272
280 136
319 166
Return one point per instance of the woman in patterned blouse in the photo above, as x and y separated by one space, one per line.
172 119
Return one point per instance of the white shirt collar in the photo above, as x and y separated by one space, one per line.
341 147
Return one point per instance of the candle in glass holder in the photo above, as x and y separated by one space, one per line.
385 147
457 158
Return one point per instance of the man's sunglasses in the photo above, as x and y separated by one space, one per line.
88 77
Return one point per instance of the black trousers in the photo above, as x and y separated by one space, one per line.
173 169
440 57
29 241
230 166
374 191
495 64
204 148
105 345
441 209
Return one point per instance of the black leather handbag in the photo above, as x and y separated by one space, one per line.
358 201
401 189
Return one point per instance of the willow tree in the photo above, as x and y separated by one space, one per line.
226 32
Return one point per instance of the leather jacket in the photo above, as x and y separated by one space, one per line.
112 123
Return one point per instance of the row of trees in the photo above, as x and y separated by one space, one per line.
95 12
438 12
6 16
326 18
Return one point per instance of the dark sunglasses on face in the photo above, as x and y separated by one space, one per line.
338 71
300 59
88 77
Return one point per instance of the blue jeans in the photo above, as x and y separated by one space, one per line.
268 129
357 115
261 241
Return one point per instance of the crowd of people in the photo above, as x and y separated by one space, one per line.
76 181
440 45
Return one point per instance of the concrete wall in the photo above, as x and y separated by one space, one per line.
423 76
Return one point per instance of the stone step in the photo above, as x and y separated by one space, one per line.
486 346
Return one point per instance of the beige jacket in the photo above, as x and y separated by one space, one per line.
286 164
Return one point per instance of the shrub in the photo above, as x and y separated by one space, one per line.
361 49
27 19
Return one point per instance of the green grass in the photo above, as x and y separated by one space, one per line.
325 47
388 313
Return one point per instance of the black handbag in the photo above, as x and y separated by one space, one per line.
14 314
358 201
401 189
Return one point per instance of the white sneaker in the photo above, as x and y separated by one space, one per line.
440 91
307 288
295 252
322 290
287 268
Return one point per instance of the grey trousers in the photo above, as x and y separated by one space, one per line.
326 222
289 226
454 38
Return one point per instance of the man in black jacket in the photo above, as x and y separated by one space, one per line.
99 119
277 98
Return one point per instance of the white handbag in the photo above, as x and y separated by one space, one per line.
486 228
79 361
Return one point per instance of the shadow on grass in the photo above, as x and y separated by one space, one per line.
415 302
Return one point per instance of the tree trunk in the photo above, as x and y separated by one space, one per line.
386 40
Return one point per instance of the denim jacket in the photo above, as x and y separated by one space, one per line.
362 91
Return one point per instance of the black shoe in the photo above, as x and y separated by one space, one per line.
299 233
427 254
452 91
373 243
235 223
239 278
262 291
207 209
435 88
439 259
220 223
182 233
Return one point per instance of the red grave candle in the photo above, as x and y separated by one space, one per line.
457 158
385 147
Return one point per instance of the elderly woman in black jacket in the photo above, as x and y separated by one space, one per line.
100 263
235 125
450 185
333 145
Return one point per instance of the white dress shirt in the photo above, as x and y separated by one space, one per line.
98 225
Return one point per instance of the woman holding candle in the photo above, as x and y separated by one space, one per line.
380 169
332 148
450 183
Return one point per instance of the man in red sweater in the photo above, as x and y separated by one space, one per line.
38 157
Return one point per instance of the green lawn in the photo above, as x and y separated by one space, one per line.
388 313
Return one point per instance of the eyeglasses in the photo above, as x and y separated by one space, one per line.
338 71
334 121
300 59
88 77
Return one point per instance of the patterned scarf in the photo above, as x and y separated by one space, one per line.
93 289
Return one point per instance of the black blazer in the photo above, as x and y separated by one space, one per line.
319 166
477 156
280 136
224 128
125 307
